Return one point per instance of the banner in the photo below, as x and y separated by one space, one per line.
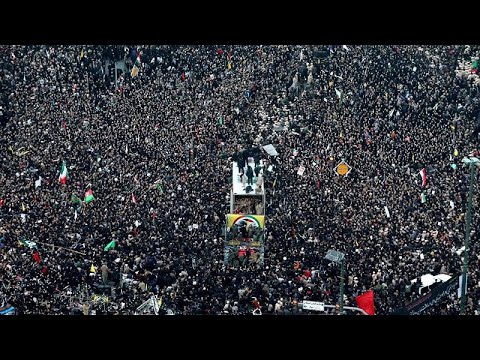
255 220
244 240
270 149
430 299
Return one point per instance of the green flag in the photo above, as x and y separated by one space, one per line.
475 64
111 245
75 199
220 120
159 187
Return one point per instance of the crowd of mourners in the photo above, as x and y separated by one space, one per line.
156 151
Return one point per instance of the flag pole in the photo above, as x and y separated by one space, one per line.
61 247
463 299
342 270
116 84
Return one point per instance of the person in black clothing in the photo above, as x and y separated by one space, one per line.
250 175
241 163
257 170
256 158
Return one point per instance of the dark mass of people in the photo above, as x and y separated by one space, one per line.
116 171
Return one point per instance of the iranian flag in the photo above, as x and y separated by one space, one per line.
423 198
423 174
63 174
134 199
89 196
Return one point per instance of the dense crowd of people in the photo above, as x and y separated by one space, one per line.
156 151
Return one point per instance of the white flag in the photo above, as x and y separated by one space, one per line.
339 93
126 149
460 251
75 217
387 212
301 170
452 205
391 113
38 182
345 47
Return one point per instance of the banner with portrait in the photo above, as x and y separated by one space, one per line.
244 239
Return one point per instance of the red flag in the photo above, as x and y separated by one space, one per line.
134 199
365 302
2 202
36 257
183 76
135 232
44 270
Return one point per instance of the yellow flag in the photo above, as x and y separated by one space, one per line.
93 269
10 148
229 65
455 153
82 54
23 207
330 83
134 71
